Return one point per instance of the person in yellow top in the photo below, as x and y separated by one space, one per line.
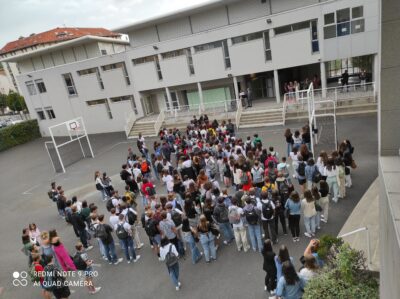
268 186
131 197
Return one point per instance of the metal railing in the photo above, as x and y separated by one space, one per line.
129 121
239 111
284 109
362 229
159 121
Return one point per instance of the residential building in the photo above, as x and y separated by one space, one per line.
199 56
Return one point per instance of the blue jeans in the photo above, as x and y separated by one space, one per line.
289 149
227 231
103 194
110 252
309 223
193 248
83 237
207 242
144 200
61 212
174 273
101 248
255 237
128 248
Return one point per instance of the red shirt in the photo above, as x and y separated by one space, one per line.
39 270
144 186
249 182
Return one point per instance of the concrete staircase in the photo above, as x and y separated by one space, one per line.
365 214
250 119
144 127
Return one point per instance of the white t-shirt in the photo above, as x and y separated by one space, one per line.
331 173
187 183
306 274
126 226
114 220
136 172
187 163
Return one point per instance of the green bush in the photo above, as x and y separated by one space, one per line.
18 134
327 244
345 276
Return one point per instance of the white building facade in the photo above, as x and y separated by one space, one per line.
200 55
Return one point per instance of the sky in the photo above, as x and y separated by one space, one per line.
23 17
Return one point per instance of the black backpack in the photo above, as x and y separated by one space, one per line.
316 175
151 228
222 214
131 217
267 210
79 263
302 169
272 175
251 216
227 172
121 232
160 167
109 204
284 190
176 218
100 232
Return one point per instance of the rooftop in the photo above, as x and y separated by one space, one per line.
54 36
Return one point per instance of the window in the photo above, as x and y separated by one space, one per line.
158 68
343 29
120 99
40 86
173 54
330 31
292 27
343 15
40 114
314 37
103 52
50 113
96 102
166 102
115 66
357 12
247 37
357 26
329 18
267 46
190 61
144 59
69 83
31 87
87 71
226 54
134 106
208 46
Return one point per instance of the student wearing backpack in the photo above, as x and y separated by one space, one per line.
103 232
83 263
123 231
169 254
279 211
235 218
131 217
301 173
221 215
80 226
267 208
252 216
257 173
312 174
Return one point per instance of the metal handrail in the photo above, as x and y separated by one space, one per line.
361 229
159 121
239 110
284 109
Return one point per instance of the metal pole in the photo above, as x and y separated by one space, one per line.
368 248
80 144
87 137
58 153
48 152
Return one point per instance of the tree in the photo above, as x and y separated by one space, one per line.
15 101
3 102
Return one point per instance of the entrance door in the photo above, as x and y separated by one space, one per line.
175 100
270 88
147 105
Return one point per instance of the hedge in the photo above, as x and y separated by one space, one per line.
18 134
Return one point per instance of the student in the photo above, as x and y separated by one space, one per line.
283 256
103 232
293 209
169 254
324 200
222 218
332 179
36 263
252 216
80 226
309 213
206 239
269 267
290 285
267 208
63 257
54 280
82 262
99 185
189 235
235 215
310 268
124 233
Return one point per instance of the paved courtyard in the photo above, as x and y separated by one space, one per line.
27 173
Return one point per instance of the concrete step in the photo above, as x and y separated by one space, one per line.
261 120
260 117
265 115
256 125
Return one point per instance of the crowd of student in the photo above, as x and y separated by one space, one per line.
218 187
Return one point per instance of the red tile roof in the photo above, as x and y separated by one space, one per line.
54 36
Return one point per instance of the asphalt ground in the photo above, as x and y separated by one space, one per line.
26 176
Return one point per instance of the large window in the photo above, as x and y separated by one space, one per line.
314 37
40 114
69 83
31 87
247 37
144 59
354 66
190 61
226 54
40 86
208 46
173 54
50 112
292 27
348 21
